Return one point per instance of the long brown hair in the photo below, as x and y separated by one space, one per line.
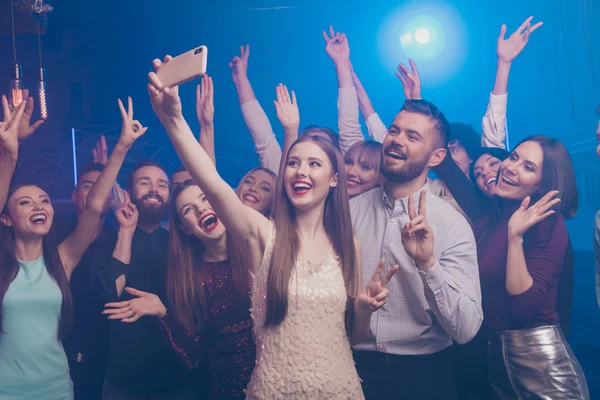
185 288
9 268
338 227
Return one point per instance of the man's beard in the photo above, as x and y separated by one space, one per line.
408 172
153 213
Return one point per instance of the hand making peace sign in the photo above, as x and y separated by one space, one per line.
417 235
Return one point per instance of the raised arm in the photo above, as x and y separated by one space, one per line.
470 200
248 227
9 147
267 148
375 126
289 116
338 49
205 110
72 248
494 120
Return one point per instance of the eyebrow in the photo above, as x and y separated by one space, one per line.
42 196
525 160
315 159
394 127
268 183
147 178
414 132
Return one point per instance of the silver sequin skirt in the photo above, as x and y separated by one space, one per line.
534 364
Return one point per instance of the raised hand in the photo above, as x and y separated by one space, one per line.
205 107
337 47
25 127
508 49
417 235
100 152
239 65
287 108
373 296
9 130
411 82
127 214
525 217
165 101
132 128
132 310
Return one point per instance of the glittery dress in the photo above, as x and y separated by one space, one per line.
226 344
308 355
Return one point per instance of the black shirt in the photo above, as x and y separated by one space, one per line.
88 337
140 361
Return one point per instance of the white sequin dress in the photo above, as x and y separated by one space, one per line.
308 355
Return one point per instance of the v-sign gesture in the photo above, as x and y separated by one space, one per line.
337 47
132 129
508 49
417 235
373 296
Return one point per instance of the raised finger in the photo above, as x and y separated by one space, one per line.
524 25
5 109
129 107
377 274
411 208
331 31
325 36
122 108
401 77
294 98
286 94
545 207
20 110
534 27
388 276
413 67
156 63
422 207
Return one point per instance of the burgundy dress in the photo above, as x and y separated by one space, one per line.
226 344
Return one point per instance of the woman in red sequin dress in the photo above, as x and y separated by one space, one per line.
208 318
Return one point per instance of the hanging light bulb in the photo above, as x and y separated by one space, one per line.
16 87
42 93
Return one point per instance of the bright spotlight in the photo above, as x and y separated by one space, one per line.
432 34
422 35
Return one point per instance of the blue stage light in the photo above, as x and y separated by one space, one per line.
432 34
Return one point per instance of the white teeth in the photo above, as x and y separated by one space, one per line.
38 218
300 186
208 220
508 182
490 181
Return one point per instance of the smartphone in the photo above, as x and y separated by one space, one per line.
184 67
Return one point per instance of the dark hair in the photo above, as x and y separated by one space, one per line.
467 137
338 225
496 152
428 109
185 288
333 136
9 268
179 169
91 167
557 174
141 164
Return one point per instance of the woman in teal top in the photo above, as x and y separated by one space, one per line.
35 301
